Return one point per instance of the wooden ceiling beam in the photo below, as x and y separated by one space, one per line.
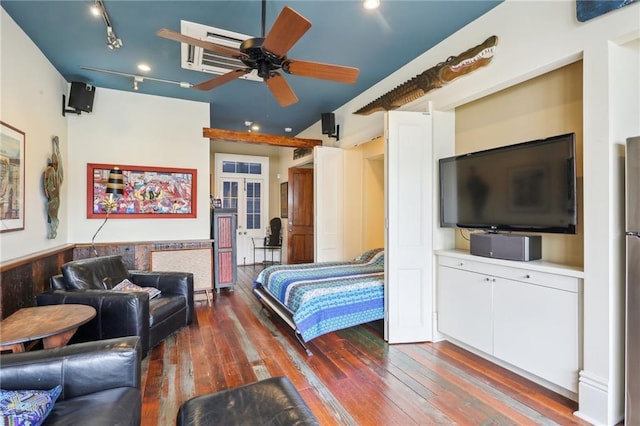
234 136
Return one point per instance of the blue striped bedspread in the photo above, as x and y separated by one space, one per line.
329 296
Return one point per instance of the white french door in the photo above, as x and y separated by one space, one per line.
242 183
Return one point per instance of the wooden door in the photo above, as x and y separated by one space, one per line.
300 239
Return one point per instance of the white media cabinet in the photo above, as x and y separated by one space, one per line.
525 316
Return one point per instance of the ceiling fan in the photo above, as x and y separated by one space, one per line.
267 55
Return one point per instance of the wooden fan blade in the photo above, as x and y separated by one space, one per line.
221 79
223 50
321 70
281 90
286 31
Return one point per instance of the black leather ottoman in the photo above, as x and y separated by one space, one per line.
273 401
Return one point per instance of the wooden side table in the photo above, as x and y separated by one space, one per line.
54 324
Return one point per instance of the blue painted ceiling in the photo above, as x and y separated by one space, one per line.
343 32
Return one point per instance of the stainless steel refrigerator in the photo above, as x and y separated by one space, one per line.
632 359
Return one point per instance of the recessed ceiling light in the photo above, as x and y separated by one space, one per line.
371 4
288 129
255 127
144 67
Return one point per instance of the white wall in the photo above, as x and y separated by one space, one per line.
536 37
142 130
31 101
124 128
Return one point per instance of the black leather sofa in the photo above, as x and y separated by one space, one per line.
100 380
123 313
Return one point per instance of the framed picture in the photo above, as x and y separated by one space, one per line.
12 165
284 199
149 192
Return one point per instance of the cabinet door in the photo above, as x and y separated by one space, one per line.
224 250
465 307
536 329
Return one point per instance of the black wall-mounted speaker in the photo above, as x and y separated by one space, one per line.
328 123
81 96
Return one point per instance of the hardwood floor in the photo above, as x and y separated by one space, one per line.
352 378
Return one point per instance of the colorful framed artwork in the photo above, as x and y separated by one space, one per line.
12 165
149 192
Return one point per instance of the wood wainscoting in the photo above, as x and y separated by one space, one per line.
24 278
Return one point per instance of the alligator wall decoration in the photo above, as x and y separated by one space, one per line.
435 77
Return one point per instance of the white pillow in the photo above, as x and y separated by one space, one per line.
127 285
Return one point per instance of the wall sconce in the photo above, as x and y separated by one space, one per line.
115 186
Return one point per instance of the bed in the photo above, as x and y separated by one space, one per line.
317 298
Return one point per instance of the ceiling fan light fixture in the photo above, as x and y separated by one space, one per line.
264 69
267 55
371 4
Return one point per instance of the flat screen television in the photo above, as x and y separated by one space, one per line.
529 187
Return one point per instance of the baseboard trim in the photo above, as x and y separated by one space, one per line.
593 400
567 393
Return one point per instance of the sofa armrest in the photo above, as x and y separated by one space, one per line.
174 283
118 313
81 369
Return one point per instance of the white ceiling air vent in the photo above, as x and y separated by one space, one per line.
199 59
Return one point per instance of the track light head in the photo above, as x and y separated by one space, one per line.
113 42
136 82
98 9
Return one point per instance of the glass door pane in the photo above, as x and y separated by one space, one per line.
230 194
242 184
